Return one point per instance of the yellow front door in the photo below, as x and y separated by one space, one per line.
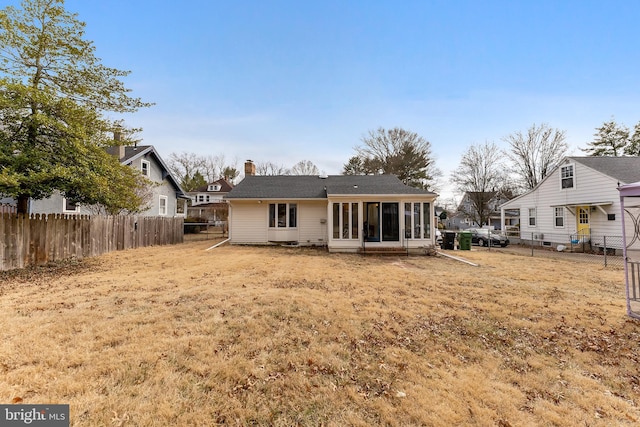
584 231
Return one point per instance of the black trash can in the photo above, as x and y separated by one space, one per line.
449 240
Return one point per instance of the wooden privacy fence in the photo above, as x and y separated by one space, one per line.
37 239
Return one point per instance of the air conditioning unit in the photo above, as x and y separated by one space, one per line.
538 236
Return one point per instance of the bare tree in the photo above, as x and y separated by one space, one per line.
479 175
399 152
535 153
184 167
212 167
304 167
270 168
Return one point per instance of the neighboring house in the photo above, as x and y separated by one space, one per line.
208 201
466 216
346 213
166 198
577 203
7 205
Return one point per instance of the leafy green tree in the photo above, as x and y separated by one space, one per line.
194 182
54 94
230 173
398 152
610 140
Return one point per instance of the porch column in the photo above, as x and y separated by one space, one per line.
503 227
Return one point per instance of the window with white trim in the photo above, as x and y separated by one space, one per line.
345 221
566 176
417 220
426 216
283 215
145 167
558 217
69 207
532 217
162 205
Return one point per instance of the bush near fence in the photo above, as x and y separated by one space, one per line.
38 239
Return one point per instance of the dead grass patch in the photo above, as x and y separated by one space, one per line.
273 336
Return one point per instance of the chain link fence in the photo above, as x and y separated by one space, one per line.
197 231
605 250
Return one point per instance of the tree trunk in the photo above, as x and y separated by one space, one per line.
23 204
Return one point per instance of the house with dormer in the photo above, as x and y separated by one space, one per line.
208 202
345 213
577 203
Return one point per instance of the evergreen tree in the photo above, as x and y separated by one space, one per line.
633 148
54 94
610 140
398 152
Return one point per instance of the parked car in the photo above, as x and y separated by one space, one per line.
482 236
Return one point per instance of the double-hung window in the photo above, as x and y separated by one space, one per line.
162 207
558 215
532 217
566 176
145 168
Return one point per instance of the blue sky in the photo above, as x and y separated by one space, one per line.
285 81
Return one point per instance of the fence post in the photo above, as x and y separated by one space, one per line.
604 242
531 244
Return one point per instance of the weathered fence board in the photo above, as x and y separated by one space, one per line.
38 239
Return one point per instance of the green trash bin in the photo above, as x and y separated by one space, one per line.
464 240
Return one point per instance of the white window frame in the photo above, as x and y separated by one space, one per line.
564 176
346 230
288 212
147 169
556 217
69 211
532 217
166 205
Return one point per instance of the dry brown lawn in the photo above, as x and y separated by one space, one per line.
176 336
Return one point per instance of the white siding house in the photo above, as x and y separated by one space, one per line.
577 203
343 213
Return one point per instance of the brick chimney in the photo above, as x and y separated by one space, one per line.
117 150
249 168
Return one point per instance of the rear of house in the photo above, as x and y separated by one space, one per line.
344 213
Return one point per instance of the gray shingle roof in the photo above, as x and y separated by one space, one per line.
624 169
313 187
